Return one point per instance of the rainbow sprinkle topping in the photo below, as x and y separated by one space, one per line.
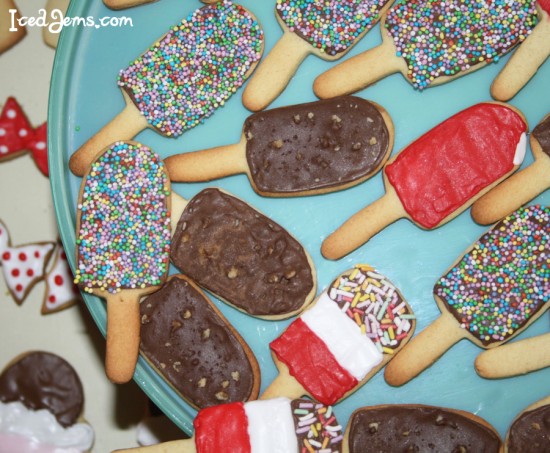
331 26
504 280
317 429
194 68
444 37
374 303
124 232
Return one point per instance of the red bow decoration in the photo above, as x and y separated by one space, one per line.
18 136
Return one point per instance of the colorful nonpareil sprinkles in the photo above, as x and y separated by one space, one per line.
331 26
124 231
374 303
444 37
194 68
504 280
317 429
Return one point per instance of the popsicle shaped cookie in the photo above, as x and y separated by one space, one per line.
417 427
530 430
527 59
433 42
183 78
327 29
241 256
304 149
489 295
354 328
123 243
521 187
269 426
440 174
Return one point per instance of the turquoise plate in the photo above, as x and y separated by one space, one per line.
84 96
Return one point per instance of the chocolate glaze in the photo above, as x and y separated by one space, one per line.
315 145
530 433
418 429
542 134
240 255
193 347
41 380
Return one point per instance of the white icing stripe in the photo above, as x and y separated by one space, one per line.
521 149
271 426
353 350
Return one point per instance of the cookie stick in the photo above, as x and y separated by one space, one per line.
489 295
204 78
9 38
304 149
527 59
530 431
355 327
325 29
123 242
123 4
449 39
59 6
521 187
440 174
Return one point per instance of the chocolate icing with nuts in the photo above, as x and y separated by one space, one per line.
193 346
41 380
542 133
316 145
418 429
240 255
530 433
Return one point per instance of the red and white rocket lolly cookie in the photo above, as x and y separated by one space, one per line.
489 295
183 78
123 243
353 329
327 29
440 174
432 42
527 59
24 265
268 426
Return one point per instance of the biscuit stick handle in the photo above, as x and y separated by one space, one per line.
423 350
125 126
358 72
208 164
524 63
123 326
177 206
363 225
516 358
517 190
283 385
174 446
275 71
121 4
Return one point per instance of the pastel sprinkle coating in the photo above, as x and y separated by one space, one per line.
124 231
374 303
504 280
331 26
444 37
317 429
195 68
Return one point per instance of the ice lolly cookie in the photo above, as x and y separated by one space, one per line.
354 328
327 29
41 406
9 36
527 59
530 430
187 339
123 243
304 149
433 42
522 187
269 426
489 295
183 78
241 256
415 427
440 174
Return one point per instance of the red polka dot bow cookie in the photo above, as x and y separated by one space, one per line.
17 136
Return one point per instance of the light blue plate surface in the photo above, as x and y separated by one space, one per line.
84 96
